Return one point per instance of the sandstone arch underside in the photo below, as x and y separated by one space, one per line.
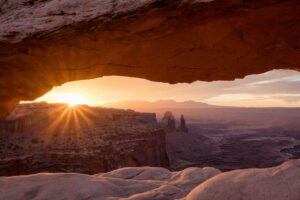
45 43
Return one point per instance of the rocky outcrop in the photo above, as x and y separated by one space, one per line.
183 127
168 121
57 138
127 183
47 43
277 183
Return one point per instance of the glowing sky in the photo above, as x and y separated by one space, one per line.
275 88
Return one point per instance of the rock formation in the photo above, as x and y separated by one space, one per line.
183 127
57 138
47 43
127 183
168 121
277 183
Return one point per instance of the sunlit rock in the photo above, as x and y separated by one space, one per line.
47 43
128 183
43 137
146 183
277 183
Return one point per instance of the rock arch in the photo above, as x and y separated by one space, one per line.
47 43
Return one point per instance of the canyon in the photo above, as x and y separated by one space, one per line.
230 138
45 137
45 43
80 152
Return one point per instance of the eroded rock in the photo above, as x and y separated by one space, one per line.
45 137
128 183
277 183
168 121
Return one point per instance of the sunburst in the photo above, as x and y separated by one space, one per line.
70 118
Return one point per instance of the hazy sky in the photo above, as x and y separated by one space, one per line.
275 88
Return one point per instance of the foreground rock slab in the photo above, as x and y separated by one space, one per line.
277 183
127 183
148 183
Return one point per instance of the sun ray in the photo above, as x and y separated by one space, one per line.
56 122
86 114
67 120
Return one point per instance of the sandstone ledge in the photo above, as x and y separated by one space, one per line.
277 183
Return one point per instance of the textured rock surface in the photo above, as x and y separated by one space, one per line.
47 43
278 183
56 138
128 183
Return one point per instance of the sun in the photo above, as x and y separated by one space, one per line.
71 99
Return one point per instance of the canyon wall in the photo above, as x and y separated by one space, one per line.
47 43
58 138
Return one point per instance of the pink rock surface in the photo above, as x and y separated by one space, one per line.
277 183
127 183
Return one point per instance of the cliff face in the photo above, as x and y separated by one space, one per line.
56 138
55 41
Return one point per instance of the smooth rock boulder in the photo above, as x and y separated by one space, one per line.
127 183
277 183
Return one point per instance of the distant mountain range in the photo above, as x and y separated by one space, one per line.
160 104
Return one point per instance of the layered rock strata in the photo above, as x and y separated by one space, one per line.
58 138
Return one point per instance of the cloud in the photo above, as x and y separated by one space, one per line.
289 98
275 85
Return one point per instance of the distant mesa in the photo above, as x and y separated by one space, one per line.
160 104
